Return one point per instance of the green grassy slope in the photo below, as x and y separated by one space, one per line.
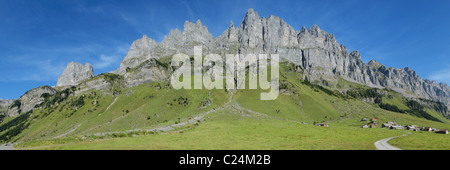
245 122
137 107
230 130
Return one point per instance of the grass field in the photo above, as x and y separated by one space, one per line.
225 130
423 141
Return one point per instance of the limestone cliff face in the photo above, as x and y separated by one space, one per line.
314 50
29 100
147 72
141 65
322 57
140 51
4 104
75 73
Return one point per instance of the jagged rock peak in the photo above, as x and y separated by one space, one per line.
314 28
75 73
373 62
189 26
144 42
303 29
343 48
251 13
250 18
141 47
231 24
195 32
356 54
411 72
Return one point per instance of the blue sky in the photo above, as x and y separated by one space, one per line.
38 38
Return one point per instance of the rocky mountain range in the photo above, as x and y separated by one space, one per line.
315 50
323 60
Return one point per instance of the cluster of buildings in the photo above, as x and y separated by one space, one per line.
392 125
395 125
371 123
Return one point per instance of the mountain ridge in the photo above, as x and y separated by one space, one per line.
315 50
318 54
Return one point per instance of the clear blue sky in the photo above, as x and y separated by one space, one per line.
39 37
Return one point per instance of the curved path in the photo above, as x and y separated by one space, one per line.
383 145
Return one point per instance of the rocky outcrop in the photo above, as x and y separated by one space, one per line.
29 100
4 104
106 83
317 52
147 72
75 73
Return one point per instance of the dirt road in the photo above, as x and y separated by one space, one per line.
383 145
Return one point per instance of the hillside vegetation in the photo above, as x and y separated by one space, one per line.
155 116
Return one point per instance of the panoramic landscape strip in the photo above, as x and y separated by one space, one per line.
259 85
